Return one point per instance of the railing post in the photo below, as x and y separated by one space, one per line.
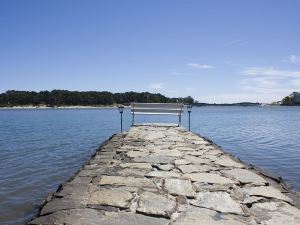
132 111
121 109
189 109
189 121
132 119
121 122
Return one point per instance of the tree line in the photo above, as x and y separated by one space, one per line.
83 98
288 100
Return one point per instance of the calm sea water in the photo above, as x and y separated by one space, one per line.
39 149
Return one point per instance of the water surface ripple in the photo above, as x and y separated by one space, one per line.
39 149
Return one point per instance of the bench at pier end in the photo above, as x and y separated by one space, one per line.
175 109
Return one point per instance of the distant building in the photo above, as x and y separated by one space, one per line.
296 96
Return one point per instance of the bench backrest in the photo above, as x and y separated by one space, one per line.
157 109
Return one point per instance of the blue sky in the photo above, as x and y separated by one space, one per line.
215 51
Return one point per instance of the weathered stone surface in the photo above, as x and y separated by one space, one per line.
166 167
245 176
155 159
252 199
110 197
95 217
80 180
211 178
181 162
179 187
156 204
199 186
195 153
265 191
150 136
156 172
174 153
134 154
276 213
226 161
74 190
63 203
123 188
126 181
162 174
90 173
218 201
201 216
136 165
210 150
131 219
133 172
71 216
183 149
196 160
195 168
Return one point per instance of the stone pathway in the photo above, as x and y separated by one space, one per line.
164 175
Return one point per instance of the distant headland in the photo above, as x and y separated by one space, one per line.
77 99
96 99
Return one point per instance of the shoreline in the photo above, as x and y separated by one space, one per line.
60 107
116 106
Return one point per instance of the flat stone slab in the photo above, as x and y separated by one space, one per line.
201 216
166 167
226 161
196 160
110 197
136 165
211 178
179 187
58 204
155 159
126 181
156 204
71 216
133 172
245 176
163 174
95 217
265 191
195 168
276 213
219 201
134 154
182 162
174 153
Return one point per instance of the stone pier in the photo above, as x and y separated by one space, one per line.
164 175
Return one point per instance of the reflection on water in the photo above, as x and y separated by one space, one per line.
41 148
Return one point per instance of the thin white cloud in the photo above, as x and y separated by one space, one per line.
240 97
269 82
294 59
200 66
271 72
156 86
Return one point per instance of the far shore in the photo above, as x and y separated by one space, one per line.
60 107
